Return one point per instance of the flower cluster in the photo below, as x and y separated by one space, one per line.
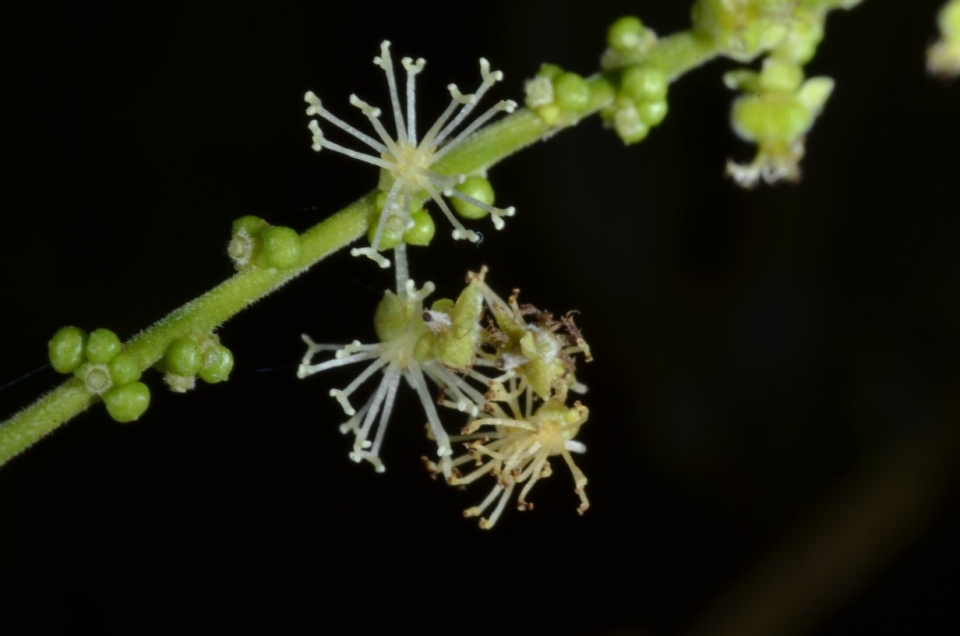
408 163
508 368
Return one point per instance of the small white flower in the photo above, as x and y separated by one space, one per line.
400 325
407 160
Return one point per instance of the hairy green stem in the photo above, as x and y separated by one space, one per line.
675 55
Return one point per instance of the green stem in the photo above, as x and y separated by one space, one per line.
678 53
486 147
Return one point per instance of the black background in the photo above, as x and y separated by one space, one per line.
775 387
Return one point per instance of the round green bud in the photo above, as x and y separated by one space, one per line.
476 187
549 71
644 83
780 76
423 229
128 402
183 357
949 21
801 44
392 233
815 92
630 128
652 113
764 120
66 349
249 224
281 246
571 93
102 346
626 34
124 369
217 364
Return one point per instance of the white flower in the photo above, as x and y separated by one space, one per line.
400 354
407 162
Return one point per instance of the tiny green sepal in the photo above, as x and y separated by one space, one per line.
423 228
217 365
102 346
183 357
124 369
66 349
280 246
128 402
478 188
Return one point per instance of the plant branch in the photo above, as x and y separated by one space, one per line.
675 55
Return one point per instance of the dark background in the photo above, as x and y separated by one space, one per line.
772 443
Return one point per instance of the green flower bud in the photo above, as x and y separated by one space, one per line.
183 357
392 317
478 188
801 43
626 34
768 119
217 364
549 71
102 346
949 21
743 28
66 349
124 369
780 76
652 113
571 93
628 124
249 224
423 229
128 402
245 243
281 247
644 83
393 230
815 92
